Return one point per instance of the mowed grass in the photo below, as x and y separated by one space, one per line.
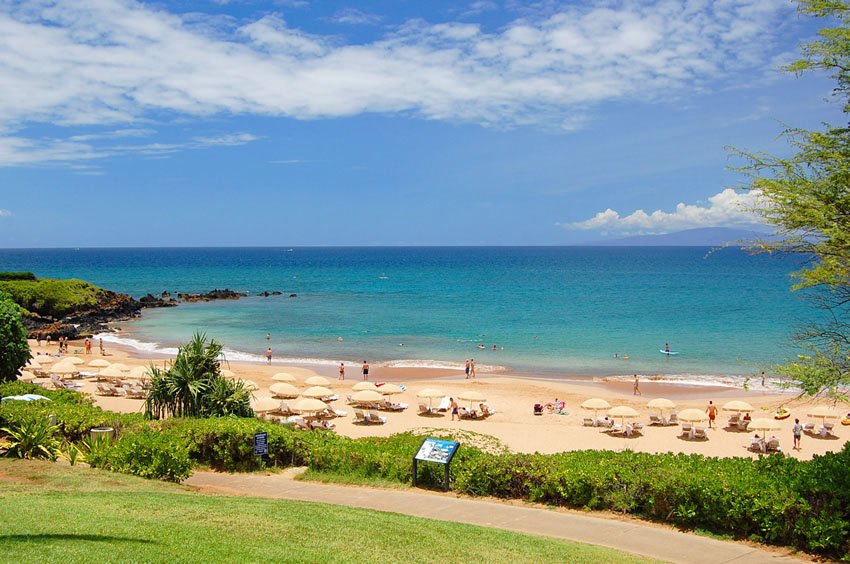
54 513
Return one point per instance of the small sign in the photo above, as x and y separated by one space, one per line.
261 444
436 450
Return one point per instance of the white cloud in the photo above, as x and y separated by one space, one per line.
727 208
353 16
5 213
119 61
229 140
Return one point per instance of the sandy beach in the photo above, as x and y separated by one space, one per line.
514 424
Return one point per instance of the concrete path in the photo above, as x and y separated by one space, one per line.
628 536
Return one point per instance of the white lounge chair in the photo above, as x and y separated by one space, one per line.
655 420
444 405
743 424
588 422
674 419
359 416
687 430
699 433
373 417
773 445
424 409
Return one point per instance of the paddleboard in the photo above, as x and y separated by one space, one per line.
667 352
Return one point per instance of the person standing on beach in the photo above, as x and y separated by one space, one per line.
798 432
667 347
762 378
712 413
467 369
100 343
472 368
636 390
269 355
454 407
38 338
365 370
342 371
88 345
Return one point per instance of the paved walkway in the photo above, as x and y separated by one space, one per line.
627 536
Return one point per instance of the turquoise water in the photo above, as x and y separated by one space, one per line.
550 309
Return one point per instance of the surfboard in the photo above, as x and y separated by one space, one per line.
662 351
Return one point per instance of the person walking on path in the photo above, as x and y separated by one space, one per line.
342 371
798 432
454 408
712 413
269 355
472 368
636 390
365 370
467 369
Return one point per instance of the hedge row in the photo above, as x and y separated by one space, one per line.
775 500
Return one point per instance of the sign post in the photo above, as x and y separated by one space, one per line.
261 445
439 451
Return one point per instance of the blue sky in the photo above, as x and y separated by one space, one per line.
295 122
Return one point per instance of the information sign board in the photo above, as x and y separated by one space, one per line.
261 444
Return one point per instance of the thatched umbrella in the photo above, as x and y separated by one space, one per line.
284 377
472 396
430 394
317 392
317 381
390 389
360 386
366 396
596 404
284 390
99 363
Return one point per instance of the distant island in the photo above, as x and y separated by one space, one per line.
702 237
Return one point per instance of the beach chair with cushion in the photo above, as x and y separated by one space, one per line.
687 428
588 422
486 410
756 445
373 417
674 419
284 409
733 420
359 416
424 409
300 423
444 405
773 445
655 420
743 424
106 390
324 425
829 427
808 428
348 399
338 413
699 433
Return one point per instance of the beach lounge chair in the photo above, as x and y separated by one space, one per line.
655 420
325 425
338 413
444 405
829 427
614 429
773 445
733 420
486 410
808 427
756 445
588 422
743 424
300 423
106 390
359 416
373 417
348 399
687 430
699 433
424 409
674 419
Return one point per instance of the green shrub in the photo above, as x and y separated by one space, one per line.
151 454
18 388
53 298
17 276
33 437
14 349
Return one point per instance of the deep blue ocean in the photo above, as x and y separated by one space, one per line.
557 310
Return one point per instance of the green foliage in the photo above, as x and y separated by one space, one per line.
17 276
33 437
14 350
192 385
52 298
18 388
151 454
805 197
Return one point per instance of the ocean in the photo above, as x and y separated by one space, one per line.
550 310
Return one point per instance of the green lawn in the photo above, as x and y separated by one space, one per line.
58 513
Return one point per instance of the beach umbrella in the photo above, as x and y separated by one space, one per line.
62 368
99 363
595 404
737 405
45 358
119 366
250 385
261 405
623 411
472 396
693 416
284 390
390 389
283 377
110 372
317 381
33 362
303 372
225 373
73 360
309 405
360 386
823 412
139 371
26 376
661 404
366 396
317 392
764 424
430 394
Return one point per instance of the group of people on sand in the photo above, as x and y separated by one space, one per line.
364 370
470 368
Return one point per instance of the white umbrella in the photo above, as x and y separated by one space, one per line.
139 371
764 424
61 368
250 385
45 358
283 377
390 389
74 360
623 411
360 386
284 390
261 405
661 404
119 366
823 412
366 396
595 404
472 396
317 392
317 381
110 372
693 416
309 405
99 363
430 393
739 406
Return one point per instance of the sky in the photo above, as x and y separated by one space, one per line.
298 122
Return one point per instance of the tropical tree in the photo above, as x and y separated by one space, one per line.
807 198
192 385
14 349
